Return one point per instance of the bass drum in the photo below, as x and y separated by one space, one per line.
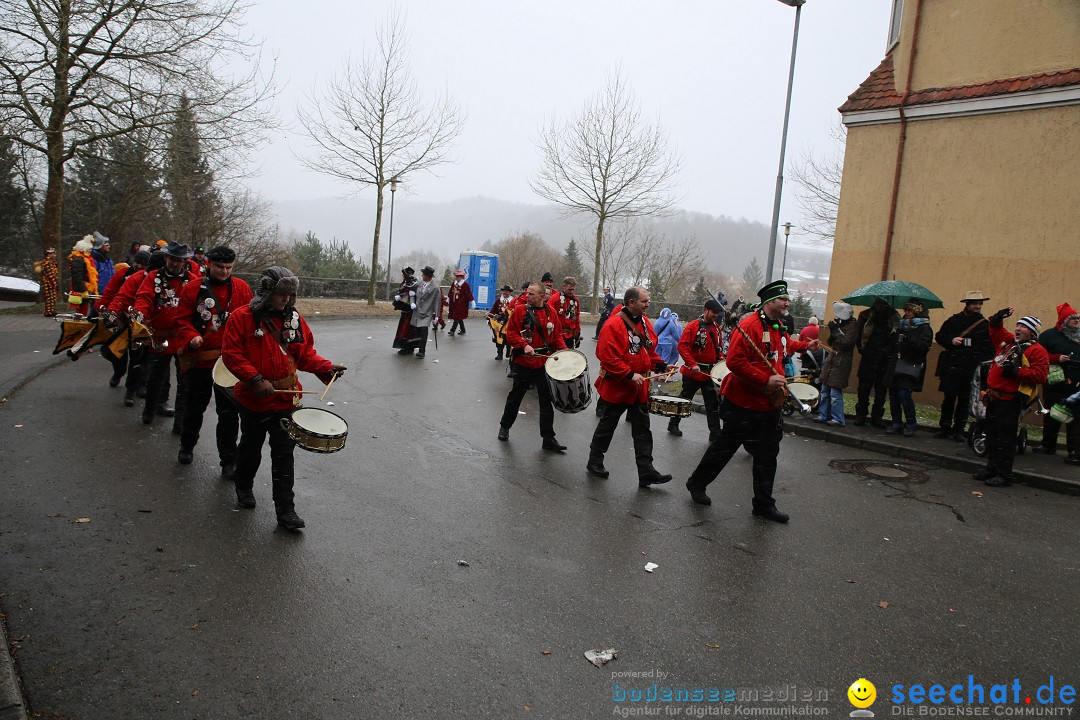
223 377
316 430
567 374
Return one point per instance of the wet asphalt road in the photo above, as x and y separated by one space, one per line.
171 603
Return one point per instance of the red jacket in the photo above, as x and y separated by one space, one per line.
190 314
519 333
125 297
458 299
157 301
700 343
747 383
620 360
248 349
1034 374
568 308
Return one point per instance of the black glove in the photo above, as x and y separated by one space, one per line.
1009 370
1000 315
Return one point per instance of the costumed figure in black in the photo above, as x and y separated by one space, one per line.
965 338
876 335
405 301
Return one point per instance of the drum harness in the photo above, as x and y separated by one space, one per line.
707 331
642 337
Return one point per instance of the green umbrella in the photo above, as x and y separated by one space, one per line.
894 292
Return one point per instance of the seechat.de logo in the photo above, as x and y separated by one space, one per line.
862 694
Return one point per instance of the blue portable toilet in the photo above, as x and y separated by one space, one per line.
481 270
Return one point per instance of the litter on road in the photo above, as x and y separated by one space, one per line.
599 658
649 567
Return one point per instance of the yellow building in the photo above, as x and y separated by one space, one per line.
962 165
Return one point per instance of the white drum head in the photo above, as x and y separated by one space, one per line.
222 376
719 372
566 365
670 399
803 391
320 422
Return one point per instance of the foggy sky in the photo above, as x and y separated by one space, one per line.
712 73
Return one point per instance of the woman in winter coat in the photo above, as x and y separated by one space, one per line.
835 371
1062 343
908 367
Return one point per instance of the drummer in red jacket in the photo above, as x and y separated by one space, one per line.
533 333
266 342
701 346
627 352
1020 366
753 393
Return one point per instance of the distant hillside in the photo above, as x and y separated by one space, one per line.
452 227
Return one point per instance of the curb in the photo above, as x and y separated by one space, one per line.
8 388
12 706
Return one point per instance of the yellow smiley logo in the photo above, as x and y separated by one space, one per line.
862 693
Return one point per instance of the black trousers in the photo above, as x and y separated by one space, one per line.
200 386
1002 424
457 325
876 367
600 324
525 378
159 368
119 364
136 374
712 403
254 428
419 339
1053 394
954 409
760 431
638 414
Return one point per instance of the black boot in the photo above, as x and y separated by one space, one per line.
290 520
673 427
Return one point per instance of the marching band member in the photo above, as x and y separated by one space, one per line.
200 323
532 327
567 305
155 302
498 317
753 393
405 302
701 346
459 301
627 352
266 342
116 315
1020 366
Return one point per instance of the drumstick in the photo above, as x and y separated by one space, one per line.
327 388
299 392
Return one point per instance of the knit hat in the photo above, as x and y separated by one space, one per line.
813 320
1064 311
547 277
142 257
100 240
1031 322
842 310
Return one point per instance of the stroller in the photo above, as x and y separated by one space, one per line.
976 434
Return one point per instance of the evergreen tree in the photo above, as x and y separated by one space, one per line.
752 280
572 261
18 247
339 262
701 291
308 255
800 307
196 208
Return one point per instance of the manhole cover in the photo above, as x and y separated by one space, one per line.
877 470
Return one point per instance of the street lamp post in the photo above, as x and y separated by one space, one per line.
797 4
783 264
390 242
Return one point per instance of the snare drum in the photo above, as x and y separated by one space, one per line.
669 406
804 392
316 430
719 372
567 374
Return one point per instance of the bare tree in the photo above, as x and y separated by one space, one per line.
635 254
372 127
74 73
817 180
608 163
248 226
525 256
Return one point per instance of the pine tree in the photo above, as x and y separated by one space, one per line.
18 247
308 255
752 279
572 260
195 203
800 307
701 291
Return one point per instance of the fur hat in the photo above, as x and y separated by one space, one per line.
85 245
274 279
1064 311
1031 323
